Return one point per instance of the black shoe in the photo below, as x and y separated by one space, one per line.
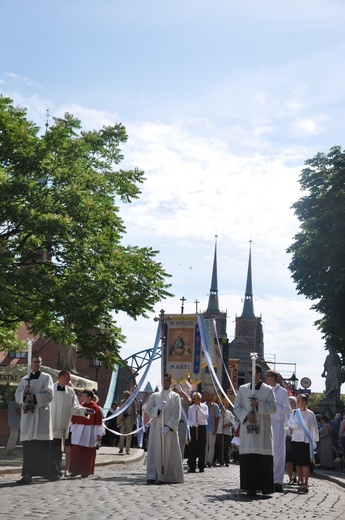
251 493
201 471
278 488
150 481
191 471
25 480
54 478
84 476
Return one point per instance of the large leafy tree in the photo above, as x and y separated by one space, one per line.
318 249
63 269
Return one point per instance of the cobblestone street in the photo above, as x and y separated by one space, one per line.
120 491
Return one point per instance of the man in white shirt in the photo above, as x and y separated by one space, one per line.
197 419
211 428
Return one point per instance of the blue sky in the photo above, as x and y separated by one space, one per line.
223 102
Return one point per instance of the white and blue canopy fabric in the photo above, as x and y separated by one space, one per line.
221 357
142 427
203 335
111 392
207 379
140 384
206 351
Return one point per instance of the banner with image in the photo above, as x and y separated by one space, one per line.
182 348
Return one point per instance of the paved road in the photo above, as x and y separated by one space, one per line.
120 491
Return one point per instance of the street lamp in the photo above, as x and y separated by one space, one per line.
293 383
96 363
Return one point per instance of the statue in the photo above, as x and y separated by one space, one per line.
67 357
332 373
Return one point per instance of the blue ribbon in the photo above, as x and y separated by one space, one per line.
311 443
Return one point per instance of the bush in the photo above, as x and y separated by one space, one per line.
6 393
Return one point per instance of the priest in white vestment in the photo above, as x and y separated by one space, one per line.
256 447
164 461
35 395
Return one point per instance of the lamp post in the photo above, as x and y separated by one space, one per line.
96 363
293 383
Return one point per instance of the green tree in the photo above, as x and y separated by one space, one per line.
315 400
63 268
318 249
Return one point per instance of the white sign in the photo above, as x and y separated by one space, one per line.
305 382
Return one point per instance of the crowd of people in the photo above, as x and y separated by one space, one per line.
276 434
267 431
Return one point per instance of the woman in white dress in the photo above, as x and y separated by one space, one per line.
304 437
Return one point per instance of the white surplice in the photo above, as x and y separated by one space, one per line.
262 442
36 425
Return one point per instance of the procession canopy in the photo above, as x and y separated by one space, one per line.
12 374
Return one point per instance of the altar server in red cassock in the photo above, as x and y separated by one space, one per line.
86 432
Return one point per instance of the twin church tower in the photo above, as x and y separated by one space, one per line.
248 328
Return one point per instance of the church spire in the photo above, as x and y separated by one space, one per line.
213 304
248 306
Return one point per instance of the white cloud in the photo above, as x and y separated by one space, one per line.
23 79
307 126
201 182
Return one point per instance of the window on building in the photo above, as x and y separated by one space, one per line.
20 355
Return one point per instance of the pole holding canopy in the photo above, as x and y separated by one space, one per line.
253 426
